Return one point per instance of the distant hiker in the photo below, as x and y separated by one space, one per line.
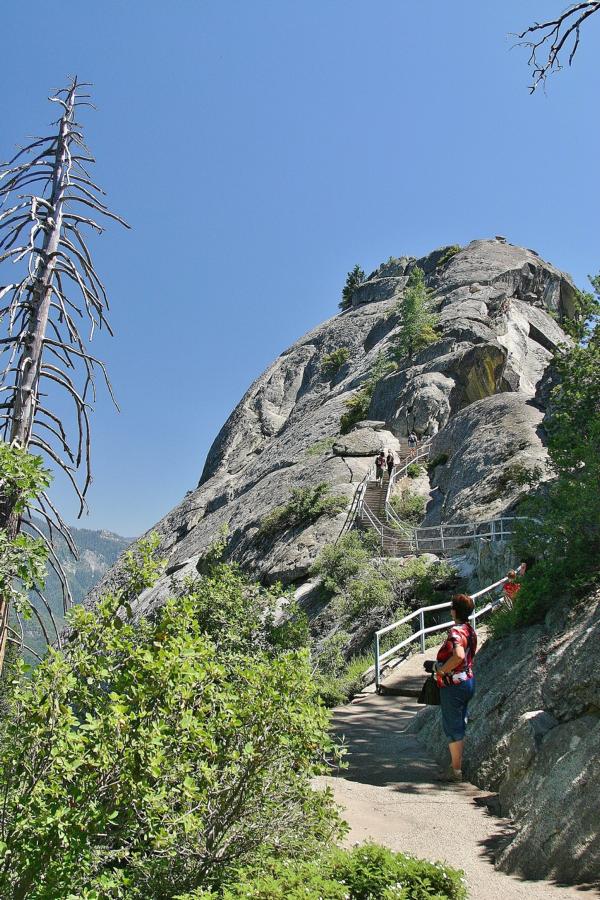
390 463
453 670
413 440
512 586
379 467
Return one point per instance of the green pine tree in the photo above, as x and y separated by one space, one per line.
418 322
354 279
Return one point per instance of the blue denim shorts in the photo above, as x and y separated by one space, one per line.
454 699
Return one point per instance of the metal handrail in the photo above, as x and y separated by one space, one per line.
356 502
423 631
422 452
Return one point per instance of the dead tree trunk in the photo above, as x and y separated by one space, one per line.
58 285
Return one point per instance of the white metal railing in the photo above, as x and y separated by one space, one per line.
423 631
357 502
421 451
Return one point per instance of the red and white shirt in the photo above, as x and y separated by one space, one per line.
464 636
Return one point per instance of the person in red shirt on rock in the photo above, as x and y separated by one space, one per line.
512 586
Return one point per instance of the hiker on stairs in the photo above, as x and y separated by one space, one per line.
379 467
454 673
390 463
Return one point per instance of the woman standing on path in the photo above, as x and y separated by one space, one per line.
379 466
453 669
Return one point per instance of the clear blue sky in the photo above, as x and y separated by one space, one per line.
260 148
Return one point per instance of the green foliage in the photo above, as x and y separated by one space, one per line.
338 564
333 362
564 533
366 872
358 404
514 476
305 506
321 447
22 557
22 477
339 688
440 460
354 279
418 321
586 310
449 252
409 507
143 761
414 470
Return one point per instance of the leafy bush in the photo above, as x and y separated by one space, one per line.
354 279
449 252
358 404
418 321
414 470
305 506
338 689
338 564
409 507
321 447
367 872
586 310
563 533
142 761
333 362
440 460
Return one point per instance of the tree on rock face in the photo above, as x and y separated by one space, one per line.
416 317
47 199
353 280
556 39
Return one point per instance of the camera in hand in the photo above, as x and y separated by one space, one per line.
428 665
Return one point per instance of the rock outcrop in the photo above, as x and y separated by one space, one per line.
534 738
477 390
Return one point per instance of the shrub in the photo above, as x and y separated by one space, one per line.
304 507
357 409
354 279
409 507
518 475
449 252
366 872
321 447
338 689
440 460
414 470
358 404
563 532
130 756
333 362
338 564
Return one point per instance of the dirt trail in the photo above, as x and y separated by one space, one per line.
390 796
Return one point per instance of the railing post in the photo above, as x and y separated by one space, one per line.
377 679
473 618
442 537
422 629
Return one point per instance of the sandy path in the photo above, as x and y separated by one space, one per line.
389 796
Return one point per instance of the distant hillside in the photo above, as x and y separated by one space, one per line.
98 551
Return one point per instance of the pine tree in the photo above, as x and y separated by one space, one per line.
418 321
353 280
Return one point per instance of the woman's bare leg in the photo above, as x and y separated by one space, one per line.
456 754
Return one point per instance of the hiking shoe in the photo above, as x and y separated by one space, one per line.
450 776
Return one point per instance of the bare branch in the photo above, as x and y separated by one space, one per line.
553 37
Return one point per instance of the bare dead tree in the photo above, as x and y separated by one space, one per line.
48 205
550 42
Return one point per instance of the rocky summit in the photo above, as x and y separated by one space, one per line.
479 391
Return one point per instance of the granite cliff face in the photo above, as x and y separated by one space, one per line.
534 739
479 390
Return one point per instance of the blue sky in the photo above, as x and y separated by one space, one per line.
259 148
